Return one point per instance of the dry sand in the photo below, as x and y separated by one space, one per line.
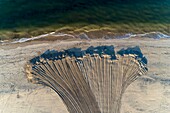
148 94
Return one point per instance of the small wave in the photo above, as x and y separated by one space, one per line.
41 36
154 35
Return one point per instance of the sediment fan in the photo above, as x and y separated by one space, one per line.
88 81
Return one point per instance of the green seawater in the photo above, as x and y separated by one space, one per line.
21 18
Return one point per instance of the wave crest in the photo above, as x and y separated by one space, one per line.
154 35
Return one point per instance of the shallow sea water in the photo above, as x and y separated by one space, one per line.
131 15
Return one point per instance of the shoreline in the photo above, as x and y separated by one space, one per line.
78 28
53 36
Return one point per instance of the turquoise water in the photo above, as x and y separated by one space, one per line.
25 13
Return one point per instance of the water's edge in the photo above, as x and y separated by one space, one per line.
153 35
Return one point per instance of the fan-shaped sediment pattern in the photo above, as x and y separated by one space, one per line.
93 82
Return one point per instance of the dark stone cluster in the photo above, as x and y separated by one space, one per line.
100 50
136 51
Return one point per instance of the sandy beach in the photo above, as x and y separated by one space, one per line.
148 94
